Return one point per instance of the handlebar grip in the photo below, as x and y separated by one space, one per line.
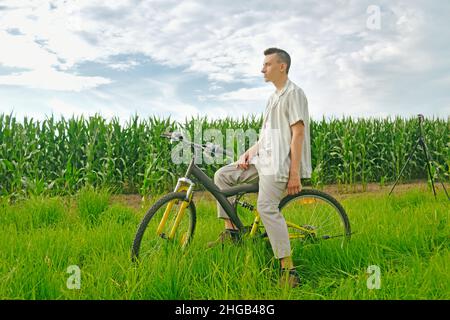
173 136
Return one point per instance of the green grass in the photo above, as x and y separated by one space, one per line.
406 235
91 204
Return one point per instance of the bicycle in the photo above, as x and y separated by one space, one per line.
311 215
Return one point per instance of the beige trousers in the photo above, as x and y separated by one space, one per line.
269 196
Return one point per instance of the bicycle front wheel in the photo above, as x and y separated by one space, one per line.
313 216
170 221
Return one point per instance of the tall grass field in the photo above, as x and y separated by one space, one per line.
45 241
60 156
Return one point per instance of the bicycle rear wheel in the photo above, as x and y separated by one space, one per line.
313 216
157 227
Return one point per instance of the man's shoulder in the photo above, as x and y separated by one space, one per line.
294 89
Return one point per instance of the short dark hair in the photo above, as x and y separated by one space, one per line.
281 54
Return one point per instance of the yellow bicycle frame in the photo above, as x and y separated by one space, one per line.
179 215
255 223
304 230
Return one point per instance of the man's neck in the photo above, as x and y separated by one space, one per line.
280 83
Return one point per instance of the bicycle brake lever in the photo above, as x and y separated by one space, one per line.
166 135
176 136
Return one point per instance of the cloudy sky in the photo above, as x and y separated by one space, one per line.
182 58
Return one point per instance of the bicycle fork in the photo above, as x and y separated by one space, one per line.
183 184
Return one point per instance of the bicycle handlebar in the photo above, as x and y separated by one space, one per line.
209 146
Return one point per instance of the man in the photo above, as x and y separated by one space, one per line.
278 160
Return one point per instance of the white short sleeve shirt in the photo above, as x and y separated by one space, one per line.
284 109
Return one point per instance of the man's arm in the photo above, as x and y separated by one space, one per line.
253 150
298 135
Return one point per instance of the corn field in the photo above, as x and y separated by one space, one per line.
59 157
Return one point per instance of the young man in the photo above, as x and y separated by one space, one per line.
278 160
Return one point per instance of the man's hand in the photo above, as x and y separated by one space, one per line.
294 184
243 161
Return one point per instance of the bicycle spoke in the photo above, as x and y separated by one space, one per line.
318 218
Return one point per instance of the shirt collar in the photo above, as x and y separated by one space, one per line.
284 89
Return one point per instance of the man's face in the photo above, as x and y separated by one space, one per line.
272 68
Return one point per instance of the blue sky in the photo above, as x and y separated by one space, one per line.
187 58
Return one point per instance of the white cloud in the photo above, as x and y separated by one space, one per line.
34 49
21 51
343 66
51 79
67 109
245 94
123 66
59 107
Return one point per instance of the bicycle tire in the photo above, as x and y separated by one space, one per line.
343 230
143 226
